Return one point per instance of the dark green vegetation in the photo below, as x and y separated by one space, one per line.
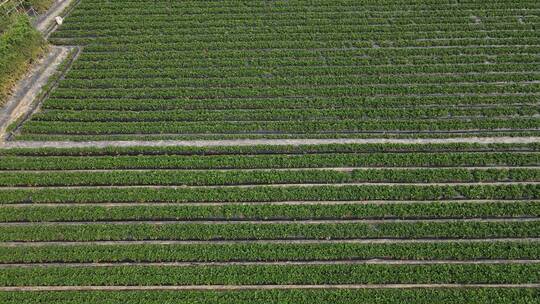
247 212
39 5
328 296
347 68
20 44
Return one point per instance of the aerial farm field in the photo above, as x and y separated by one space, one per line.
347 151
347 68
321 215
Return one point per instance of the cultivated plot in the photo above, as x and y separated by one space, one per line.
229 69
266 217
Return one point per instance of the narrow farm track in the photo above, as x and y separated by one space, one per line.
279 151
280 203
281 221
276 242
261 287
282 263
258 142
338 169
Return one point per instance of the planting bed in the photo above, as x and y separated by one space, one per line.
274 221
295 69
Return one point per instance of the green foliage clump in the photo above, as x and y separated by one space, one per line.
20 43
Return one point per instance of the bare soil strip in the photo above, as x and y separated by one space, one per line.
261 287
257 142
338 169
307 135
280 221
282 263
283 241
247 186
27 90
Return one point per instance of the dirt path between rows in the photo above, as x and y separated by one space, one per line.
259 142
277 221
260 287
268 186
299 169
269 203
273 263
268 241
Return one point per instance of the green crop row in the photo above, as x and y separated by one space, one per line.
268 194
268 252
375 126
75 28
319 91
190 8
270 274
198 66
311 13
372 149
234 177
105 46
210 73
270 212
141 104
265 231
283 114
409 31
229 4
323 33
358 40
254 82
275 296
494 20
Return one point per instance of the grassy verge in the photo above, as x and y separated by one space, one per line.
39 5
20 44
